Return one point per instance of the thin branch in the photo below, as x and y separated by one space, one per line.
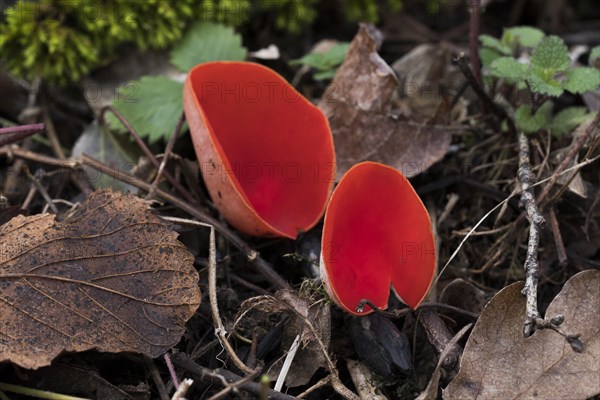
15 133
171 369
155 375
165 159
575 147
182 191
214 307
182 390
474 39
222 377
561 252
232 387
488 103
536 223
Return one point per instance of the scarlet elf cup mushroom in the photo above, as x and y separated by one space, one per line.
376 233
265 152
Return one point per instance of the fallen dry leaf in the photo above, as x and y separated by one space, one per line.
358 106
111 277
500 363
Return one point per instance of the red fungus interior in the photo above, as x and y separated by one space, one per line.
277 145
377 232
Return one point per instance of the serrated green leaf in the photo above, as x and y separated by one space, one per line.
594 55
206 41
324 61
525 36
542 82
509 68
151 105
581 80
551 54
490 42
531 123
568 119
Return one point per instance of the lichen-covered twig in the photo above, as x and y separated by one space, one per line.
536 223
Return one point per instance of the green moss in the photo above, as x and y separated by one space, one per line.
62 40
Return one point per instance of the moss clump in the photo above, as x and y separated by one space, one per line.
62 40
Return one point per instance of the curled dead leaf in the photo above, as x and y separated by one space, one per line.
358 105
110 277
500 363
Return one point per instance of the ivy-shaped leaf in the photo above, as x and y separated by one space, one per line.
206 41
581 80
531 123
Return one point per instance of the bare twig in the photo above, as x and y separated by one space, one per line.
591 130
214 307
40 188
488 103
182 390
474 39
232 387
171 369
165 159
15 133
155 375
314 387
77 177
561 252
432 388
439 336
223 377
536 223
51 131
180 189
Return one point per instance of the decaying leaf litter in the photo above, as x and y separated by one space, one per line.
58 297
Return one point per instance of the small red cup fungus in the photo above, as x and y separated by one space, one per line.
377 233
265 152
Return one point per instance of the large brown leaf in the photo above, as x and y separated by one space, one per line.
358 105
500 363
111 277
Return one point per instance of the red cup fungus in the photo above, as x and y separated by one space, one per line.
265 152
376 233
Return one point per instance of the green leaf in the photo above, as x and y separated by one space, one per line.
594 55
542 81
525 36
509 68
206 41
488 56
324 61
581 80
490 42
568 119
531 123
551 54
152 106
